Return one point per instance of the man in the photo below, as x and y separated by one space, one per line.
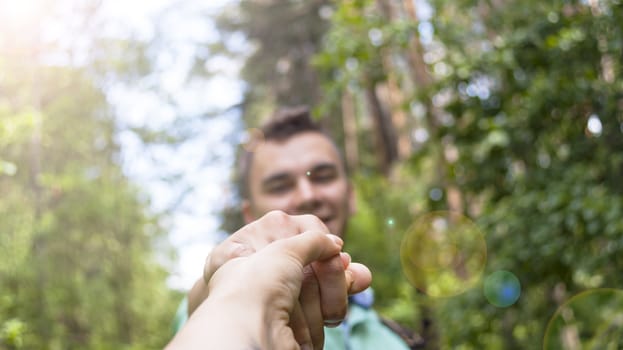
297 169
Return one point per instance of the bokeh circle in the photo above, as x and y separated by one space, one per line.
589 320
443 254
502 288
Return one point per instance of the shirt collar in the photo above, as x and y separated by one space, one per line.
363 299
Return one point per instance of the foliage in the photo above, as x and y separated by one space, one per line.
535 105
77 262
77 268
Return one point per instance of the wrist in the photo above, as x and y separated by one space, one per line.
242 321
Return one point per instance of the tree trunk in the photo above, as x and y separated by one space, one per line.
349 118
392 93
387 150
415 56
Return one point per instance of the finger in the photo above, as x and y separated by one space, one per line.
273 226
221 254
277 225
309 222
358 278
299 326
346 259
333 289
309 300
309 246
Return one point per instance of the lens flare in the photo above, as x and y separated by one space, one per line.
590 320
390 222
502 288
443 254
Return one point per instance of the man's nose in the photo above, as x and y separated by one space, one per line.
306 196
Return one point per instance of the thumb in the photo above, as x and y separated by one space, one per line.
309 246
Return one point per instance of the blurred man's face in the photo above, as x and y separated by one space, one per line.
302 175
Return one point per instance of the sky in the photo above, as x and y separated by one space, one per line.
202 163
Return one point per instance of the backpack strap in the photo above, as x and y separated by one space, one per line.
412 339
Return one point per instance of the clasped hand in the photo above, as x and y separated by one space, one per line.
272 285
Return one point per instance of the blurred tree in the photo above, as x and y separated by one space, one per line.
283 37
77 262
533 94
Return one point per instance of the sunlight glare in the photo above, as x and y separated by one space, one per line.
18 24
19 13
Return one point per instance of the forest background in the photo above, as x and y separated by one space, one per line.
509 113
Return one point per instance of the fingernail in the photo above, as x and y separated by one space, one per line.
307 346
332 323
336 239
349 279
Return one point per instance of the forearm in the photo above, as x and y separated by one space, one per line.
224 322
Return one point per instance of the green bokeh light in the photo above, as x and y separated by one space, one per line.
502 288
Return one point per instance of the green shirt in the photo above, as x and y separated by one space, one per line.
362 330
181 316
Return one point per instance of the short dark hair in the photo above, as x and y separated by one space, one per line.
290 121
283 124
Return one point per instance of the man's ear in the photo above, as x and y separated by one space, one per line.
352 199
247 212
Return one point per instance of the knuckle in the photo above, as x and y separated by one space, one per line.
225 252
277 217
309 277
313 220
216 258
331 266
235 251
